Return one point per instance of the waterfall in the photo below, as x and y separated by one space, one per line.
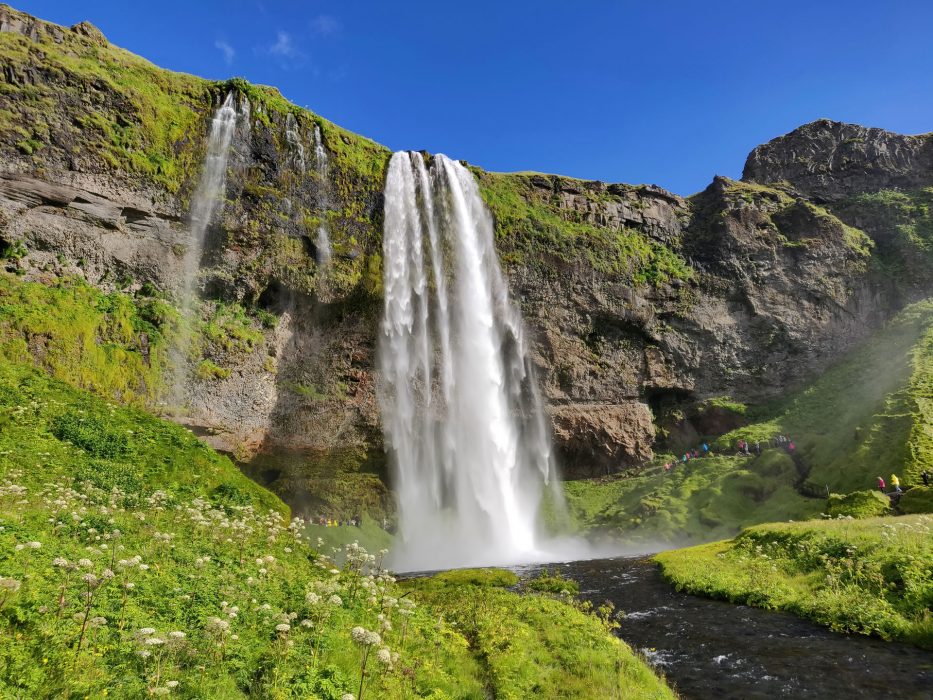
324 252
294 140
462 415
205 203
208 197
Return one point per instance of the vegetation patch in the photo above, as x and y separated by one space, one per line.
537 645
872 411
858 504
111 344
531 229
919 499
704 499
135 561
872 576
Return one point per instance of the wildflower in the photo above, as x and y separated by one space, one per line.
312 598
177 635
10 585
153 641
347 696
282 628
335 600
146 632
60 562
384 656
171 684
85 563
306 623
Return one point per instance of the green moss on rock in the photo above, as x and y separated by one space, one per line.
858 504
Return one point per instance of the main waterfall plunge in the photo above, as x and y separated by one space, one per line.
461 410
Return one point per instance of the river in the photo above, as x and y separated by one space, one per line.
713 650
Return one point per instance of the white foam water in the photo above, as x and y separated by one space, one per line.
463 419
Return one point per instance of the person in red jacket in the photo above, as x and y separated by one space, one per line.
881 484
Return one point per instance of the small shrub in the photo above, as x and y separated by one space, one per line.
207 370
90 434
919 499
555 583
858 504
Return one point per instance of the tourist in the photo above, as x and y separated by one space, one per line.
925 475
705 449
758 447
896 483
791 447
881 484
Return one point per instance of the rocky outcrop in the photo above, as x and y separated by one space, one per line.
599 439
827 161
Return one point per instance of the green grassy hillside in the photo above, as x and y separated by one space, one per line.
706 499
871 576
871 414
135 561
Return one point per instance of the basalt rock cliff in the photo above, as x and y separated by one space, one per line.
640 304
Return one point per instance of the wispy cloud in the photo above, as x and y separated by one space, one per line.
227 50
326 25
284 46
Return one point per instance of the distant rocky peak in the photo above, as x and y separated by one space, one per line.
827 160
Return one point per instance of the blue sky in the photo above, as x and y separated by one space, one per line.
669 92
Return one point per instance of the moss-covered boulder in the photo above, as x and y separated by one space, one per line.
917 500
858 504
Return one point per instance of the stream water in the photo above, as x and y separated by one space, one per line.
710 649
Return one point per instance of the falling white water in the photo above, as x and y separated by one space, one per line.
208 197
324 252
294 140
205 204
463 418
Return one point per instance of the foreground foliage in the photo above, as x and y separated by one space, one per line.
872 576
135 561
538 645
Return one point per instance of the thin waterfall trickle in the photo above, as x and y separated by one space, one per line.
294 140
205 204
324 252
462 415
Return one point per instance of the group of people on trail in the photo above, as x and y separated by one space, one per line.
743 448
926 475
697 453
895 482
336 522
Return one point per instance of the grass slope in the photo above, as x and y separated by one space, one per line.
869 415
135 561
706 499
872 576
535 645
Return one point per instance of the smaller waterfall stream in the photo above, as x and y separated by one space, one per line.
205 203
462 415
322 243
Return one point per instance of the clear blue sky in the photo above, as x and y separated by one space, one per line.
660 91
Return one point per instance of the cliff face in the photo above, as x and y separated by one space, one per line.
638 302
828 161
